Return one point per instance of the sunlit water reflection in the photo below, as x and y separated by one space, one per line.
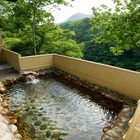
50 110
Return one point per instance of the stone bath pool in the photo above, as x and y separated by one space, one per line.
53 110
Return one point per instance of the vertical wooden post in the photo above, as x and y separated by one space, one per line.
133 132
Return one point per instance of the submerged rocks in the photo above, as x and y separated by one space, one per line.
48 134
43 127
39 127
128 105
37 123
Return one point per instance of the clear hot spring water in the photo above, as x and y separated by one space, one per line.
52 110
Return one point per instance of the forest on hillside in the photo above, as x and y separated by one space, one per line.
100 52
110 36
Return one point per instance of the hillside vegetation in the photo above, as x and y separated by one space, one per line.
109 37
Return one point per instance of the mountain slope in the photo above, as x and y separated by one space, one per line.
77 16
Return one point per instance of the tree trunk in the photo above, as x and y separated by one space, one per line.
33 32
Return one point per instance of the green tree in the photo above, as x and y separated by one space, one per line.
50 39
81 28
120 28
31 13
32 30
58 41
99 51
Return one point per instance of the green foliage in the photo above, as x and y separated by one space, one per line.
10 43
30 29
18 45
68 48
114 38
100 52
31 13
120 28
59 42
81 28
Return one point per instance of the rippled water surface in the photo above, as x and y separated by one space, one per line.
51 110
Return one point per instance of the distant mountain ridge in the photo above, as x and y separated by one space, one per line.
77 16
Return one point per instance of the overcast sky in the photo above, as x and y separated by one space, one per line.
82 6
